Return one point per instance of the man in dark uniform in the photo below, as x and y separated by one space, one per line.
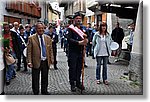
75 53
54 38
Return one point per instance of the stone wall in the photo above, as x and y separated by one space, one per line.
136 65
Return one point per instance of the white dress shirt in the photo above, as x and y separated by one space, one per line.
42 58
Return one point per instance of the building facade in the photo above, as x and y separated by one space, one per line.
53 12
73 6
24 12
98 15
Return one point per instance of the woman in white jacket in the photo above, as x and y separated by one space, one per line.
101 42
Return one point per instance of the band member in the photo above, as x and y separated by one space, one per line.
76 43
54 38
39 58
15 30
117 36
23 42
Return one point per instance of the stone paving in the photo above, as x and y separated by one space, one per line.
59 84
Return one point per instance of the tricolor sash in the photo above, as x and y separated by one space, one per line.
77 30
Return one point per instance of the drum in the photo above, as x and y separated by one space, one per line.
114 46
25 52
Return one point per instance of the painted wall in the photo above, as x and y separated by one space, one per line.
104 17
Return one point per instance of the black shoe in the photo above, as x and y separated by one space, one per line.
93 57
13 77
73 89
7 82
25 70
90 54
85 66
81 87
55 68
36 93
3 93
126 73
109 63
45 93
87 55
18 69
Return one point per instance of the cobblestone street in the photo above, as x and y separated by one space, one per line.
59 84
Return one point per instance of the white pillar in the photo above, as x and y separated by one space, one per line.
81 5
138 39
95 19
109 23
136 62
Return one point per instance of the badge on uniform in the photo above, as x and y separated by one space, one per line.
67 32
84 30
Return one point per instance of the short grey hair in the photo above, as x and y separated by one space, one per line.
36 25
16 23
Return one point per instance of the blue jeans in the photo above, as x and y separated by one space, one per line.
10 70
98 68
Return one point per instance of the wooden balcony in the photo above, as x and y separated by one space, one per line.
27 9
39 12
9 7
20 7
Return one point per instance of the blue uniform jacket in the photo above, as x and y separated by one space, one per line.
73 39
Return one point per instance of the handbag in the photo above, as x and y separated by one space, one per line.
9 59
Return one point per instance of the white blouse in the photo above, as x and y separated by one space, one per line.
103 48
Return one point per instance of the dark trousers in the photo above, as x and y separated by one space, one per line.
24 62
89 50
19 61
62 42
44 78
75 67
54 55
129 47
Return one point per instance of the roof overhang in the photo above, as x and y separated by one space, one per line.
63 3
123 9
94 8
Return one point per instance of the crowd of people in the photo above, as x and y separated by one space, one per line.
76 40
